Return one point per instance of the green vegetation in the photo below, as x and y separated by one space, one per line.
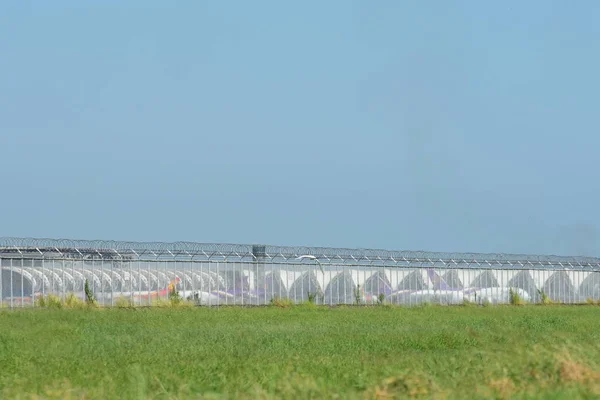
282 302
515 298
90 299
357 295
52 301
174 296
544 299
312 297
299 352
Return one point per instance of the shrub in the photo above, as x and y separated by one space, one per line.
124 302
72 301
50 301
281 302
174 296
53 301
312 297
173 303
515 299
357 296
308 305
468 303
591 301
544 299
160 303
90 299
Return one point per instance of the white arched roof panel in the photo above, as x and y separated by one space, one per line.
400 275
577 277
42 284
468 276
106 281
289 276
19 279
377 283
325 278
504 276
80 276
67 279
197 281
129 279
117 280
141 280
540 277
209 283
360 276
56 282
340 289
151 279
303 285
163 279
187 282
413 279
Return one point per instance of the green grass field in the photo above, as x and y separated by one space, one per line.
302 352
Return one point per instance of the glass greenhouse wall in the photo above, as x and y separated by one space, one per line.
215 275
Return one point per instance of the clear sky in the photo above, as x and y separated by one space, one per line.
417 125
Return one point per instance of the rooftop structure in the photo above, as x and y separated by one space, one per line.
31 248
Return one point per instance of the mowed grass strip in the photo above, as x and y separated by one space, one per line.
302 352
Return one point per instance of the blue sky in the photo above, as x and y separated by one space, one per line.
450 126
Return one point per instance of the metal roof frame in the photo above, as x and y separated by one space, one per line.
192 251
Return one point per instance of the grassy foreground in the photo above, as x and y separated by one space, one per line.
302 352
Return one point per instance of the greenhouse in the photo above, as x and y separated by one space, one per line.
224 274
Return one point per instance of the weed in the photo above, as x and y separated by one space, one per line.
515 298
503 388
54 302
544 299
591 301
174 296
281 302
570 370
176 300
357 295
405 385
90 299
381 299
124 302
50 301
308 305
468 303
312 297
72 301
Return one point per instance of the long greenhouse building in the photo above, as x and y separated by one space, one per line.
230 274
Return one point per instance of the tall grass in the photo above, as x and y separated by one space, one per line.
515 298
281 302
90 299
544 299
51 301
357 295
299 352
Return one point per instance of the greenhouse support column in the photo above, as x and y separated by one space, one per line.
259 253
